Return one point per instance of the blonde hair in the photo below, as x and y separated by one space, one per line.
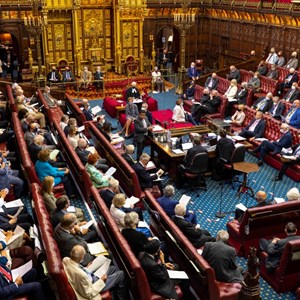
119 200
47 184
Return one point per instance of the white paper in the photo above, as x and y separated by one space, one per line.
120 101
16 240
279 200
37 243
131 201
97 263
228 121
15 203
135 100
184 199
177 151
96 109
110 171
18 212
2 235
114 135
211 134
241 206
54 138
177 274
71 209
81 128
35 104
200 251
174 139
96 248
150 164
119 139
157 128
103 269
19 272
238 138
53 154
238 145
261 139
287 150
143 224
87 225
291 157
1 202
91 149
187 146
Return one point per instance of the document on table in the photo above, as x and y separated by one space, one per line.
110 171
177 151
156 128
19 272
238 138
187 146
261 139
177 274
15 203
131 201
96 248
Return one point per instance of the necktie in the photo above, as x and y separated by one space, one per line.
144 124
252 127
53 76
290 95
7 274
269 58
91 276
261 104
274 109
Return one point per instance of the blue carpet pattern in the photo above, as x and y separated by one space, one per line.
208 203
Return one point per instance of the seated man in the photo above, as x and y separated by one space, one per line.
145 178
292 94
148 113
293 194
261 199
256 127
222 258
127 155
98 77
273 72
153 263
190 92
292 117
275 247
262 68
287 162
277 109
66 238
67 75
293 61
198 237
242 94
133 91
212 82
288 81
87 111
85 78
108 193
272 57
254 82
86 284
275 147
168 204
53 76
193 73
157 81
234 74
263 103
51 101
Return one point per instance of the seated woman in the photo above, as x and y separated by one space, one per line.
115 140
230 95
239 116
168 204
190 92
43 168
73 136
40 117
254 82
99 180
64 121
118 211
132 112
180 115
48 195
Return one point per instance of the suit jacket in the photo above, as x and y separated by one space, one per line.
263 70
292 95
224 149
221 258
292 63
82 285
163 61
7 289
140 130
132 92
241 96
235 75
49 76
158 277
275 251
285 141
89 76
135 239
107 195
187 161
98 76
279 110
213 104
34 150
295 119
82 154
88 114
295 78
29 136
193 72
131 110
71 76
168 205
259 130
214 83
266 107
273 74
144 177
128 158
294 148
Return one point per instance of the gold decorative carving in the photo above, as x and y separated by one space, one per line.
127 30
59 36
93 19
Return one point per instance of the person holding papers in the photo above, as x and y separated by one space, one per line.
116 140
86 284
146 179
108 194
222 258
99 180
73 136
256 127
51 101
118 211
168 204
198 237
87 112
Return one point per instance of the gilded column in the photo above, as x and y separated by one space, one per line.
118 50
44 39
141 45
76 45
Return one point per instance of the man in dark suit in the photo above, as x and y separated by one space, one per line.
277 109
256 127
273 72
292 94
141 127
127 155
145 178
197 148
108 193
222 258
195 109
83 154
242 94
98 76
275 247
234 73
293 160
288 81
164 59
21 286
53 76
66 238
275 147
67 75
192 72
293 115
198 237
263 103
212 82
133 91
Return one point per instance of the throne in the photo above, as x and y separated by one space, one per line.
131 65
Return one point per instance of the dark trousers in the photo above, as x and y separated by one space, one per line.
69 186
264 148
285 166
247 133
139 149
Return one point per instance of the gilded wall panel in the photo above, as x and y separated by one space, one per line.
59 36
107 30
127 34
108 54
93 20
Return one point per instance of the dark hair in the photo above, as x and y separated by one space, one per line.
61 202
222 133
106 127
290 227
22 113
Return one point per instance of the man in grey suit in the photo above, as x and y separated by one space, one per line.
275 247
141 127
221 258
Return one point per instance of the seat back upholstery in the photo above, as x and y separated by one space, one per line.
290 259
245 75
75 109
238 154
223 85
199 163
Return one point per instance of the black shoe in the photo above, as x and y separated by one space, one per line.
252 151
128 136
260 162
277 178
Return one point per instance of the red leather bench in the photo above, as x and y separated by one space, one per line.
122 252
285 277
266 85
201 275
11 100
262 222
55 267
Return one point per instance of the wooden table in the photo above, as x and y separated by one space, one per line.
245 167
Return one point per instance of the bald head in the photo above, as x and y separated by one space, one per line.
82 143
261 196
297 103
77 253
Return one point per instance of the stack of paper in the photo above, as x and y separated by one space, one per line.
97 248
19 272
53 154
184 200
177 274
96 109
177 151
238 138
241 206
110 171
131 201
279 200
16 240
15 203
